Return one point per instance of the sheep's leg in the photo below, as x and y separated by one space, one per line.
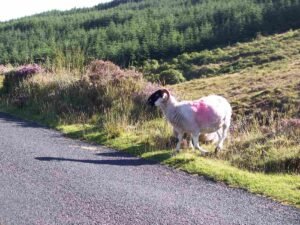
221 137
191 144
189 136
220 143
175 133
180 138
196 144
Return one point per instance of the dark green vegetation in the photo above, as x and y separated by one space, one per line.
129 32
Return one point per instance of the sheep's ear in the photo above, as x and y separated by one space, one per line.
166 94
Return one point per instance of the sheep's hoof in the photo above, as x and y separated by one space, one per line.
217 149
174 152
204 152
191 149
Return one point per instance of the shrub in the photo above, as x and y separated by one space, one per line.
171 76
105 85
199 72
150 69
152 77
141 96
105 89
150 65
140 108
13 78
101 72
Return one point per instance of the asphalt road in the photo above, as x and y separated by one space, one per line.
46 178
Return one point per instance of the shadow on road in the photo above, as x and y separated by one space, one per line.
114 154
115 162
19 122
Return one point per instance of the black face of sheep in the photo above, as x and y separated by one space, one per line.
156 95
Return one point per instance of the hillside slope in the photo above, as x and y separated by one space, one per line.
260 51
264 75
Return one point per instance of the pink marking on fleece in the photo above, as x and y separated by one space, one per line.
204 113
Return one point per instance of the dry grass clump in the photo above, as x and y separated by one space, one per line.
290 127
101 72
267 148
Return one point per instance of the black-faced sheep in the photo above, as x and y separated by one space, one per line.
203 116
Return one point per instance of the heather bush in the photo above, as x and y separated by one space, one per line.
107 86
119 95
101 73
105 89
140 108
13 78
141 96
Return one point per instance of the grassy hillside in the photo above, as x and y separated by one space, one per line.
232 59
129 32
106 105
265 78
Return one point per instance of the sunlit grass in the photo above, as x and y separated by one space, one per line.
1 81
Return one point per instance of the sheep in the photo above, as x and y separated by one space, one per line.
203 116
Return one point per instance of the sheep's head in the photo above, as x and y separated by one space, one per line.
158 97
